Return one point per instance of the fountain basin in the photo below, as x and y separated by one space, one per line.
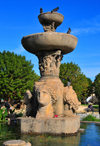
44 18
48 41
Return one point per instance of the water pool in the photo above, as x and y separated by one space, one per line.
91 137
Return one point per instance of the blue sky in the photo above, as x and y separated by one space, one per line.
20 17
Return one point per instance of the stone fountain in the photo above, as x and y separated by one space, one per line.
52 106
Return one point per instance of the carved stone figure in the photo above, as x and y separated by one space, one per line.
49 62
71 102
55 99
50 98
31 104
45 108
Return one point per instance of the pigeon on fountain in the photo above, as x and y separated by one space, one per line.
41 10
54 10
69 31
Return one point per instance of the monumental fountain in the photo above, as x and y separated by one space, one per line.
52 106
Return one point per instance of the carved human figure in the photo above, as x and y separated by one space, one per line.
49 94
45 109
51 98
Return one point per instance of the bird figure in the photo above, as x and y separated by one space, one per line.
69 31
54 10
41 10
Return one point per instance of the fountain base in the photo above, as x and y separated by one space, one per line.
53 126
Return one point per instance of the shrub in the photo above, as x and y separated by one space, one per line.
91 118
3 114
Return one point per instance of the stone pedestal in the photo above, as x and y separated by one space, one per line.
53 126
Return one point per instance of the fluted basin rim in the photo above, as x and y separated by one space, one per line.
47 41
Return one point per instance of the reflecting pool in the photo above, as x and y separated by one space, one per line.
91 137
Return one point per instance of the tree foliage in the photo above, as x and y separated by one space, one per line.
16 75
80 83
97 86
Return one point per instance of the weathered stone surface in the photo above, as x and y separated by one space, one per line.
68 125
48 41
50 20
55 99
31 104
50 98
16 143
49 62
49 93
71 102
45 103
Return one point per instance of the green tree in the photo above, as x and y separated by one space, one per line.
72 72
97 85
90 87
97 88
16 76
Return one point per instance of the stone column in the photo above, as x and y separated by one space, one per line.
49 63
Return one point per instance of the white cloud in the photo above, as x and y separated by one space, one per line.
87 26
77 31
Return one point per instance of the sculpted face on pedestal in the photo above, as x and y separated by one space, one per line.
43 97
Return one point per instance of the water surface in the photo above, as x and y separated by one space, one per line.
91 137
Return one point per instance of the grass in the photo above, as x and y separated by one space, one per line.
91 118
95 106
84 104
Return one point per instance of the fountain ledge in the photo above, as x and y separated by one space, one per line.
57 126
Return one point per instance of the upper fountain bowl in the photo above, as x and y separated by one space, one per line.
50 21
48 41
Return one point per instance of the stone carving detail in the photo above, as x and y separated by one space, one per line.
31 104
54 99
50 98
49 63
71 102
45 108
49 27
